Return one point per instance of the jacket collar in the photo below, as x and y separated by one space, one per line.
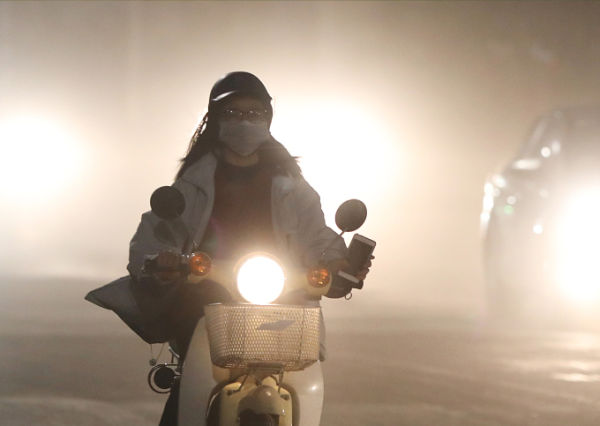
201 174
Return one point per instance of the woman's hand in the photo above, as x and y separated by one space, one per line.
362 273
167 264
335 265
340 290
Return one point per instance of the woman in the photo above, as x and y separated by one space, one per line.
244 193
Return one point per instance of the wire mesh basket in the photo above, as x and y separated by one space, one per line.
245 335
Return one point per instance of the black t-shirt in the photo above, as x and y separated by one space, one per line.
241 220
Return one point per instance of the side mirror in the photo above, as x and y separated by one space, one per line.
167 202
351 215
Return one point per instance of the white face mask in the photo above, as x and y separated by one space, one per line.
243 137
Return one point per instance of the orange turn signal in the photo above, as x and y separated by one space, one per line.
319 277
200 264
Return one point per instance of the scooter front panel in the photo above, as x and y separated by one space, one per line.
198 383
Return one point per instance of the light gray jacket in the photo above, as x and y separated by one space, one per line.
300 231
298 224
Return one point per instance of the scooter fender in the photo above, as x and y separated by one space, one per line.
266 399
235 398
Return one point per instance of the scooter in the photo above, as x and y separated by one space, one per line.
251 362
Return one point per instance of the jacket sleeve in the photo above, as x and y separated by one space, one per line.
156 300
153 235
316 240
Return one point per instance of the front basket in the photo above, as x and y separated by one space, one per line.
245 335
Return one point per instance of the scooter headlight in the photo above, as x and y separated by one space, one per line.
260 279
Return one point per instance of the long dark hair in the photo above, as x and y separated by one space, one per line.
206 139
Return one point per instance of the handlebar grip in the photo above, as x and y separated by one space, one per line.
151 266
344 278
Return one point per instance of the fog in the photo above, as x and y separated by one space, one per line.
407 106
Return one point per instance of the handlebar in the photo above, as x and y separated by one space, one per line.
198 264
345 279
196 267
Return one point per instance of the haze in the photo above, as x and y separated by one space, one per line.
405 105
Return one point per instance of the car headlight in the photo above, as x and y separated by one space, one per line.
579 247
260 279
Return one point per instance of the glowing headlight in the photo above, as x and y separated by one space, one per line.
579 248
260 280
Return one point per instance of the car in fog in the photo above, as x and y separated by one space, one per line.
541 220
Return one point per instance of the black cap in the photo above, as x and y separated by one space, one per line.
239 82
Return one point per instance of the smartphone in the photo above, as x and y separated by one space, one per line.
359 252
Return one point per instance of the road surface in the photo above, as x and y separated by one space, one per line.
65 362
